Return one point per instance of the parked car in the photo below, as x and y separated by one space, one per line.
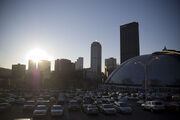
107 109
10 100
140 102
84 106
5 107
29 105
20 101
171 106
74 105
56 110
91 109
153 106
40 111
123 107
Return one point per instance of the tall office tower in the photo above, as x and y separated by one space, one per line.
110 65
18 75
31 65
79 64
129 41
96 58
44 66
44 73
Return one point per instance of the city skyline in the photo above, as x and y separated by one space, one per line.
65 29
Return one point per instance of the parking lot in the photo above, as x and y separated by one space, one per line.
138 114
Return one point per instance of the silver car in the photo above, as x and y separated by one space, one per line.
40 111
123 107
56 110
91 109
107 109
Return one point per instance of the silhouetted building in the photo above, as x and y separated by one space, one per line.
44 72
79 64
129 41
64 72
44 68
96 58
5 76
110 65
64 65
31 65
18 75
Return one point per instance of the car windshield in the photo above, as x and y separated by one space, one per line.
108 106
41 107
123 105
57 107
157 103
92 106
29 103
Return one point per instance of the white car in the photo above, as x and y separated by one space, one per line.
107 109
153 106
91 109
122 107
29 105
140 102
40 111
56 110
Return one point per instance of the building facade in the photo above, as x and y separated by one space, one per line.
110 65
79 64
129 41
18 75
31 65
44 68
96 58
64 65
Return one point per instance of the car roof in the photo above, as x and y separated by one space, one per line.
57 106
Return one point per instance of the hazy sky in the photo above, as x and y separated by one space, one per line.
66 28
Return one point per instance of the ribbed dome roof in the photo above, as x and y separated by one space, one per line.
162 69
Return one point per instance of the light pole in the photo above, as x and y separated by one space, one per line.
145 65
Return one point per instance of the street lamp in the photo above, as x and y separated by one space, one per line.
145 65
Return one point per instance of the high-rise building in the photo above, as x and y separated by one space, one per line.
64 65
44 68
129 41
110 65
44 72
31 65
79 64
18 70
96 58
18 75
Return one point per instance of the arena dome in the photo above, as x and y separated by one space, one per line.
163 69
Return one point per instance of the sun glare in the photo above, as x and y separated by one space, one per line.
37 54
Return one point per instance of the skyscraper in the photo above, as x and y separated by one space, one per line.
31 65
96 58
18 75
110 65
79 64
129 41
44 68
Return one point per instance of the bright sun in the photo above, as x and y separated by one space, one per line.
37 55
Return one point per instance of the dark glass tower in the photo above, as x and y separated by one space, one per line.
96 57
129 41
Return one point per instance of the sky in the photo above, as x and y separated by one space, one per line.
66 28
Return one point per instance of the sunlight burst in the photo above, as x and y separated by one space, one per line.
37 55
